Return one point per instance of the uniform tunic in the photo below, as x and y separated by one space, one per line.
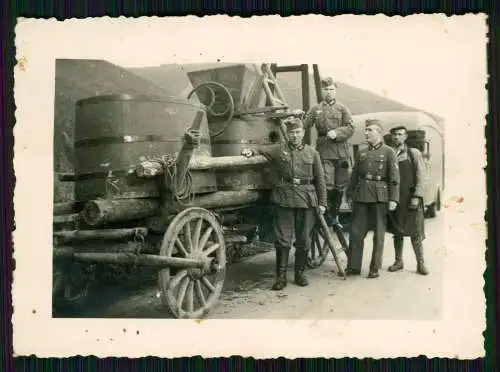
334 153
405 221
299 189
374 182
375 177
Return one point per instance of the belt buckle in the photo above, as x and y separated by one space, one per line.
368 176
378 178
296 181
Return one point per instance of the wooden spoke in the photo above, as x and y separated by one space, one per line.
188 237
313 251
319 249
190 296
177 278
182 291
179 245
211 249
199 291
196 235
204 238
208 284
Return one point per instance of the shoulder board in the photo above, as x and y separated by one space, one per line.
363 148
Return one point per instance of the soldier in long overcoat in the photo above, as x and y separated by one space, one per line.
333 123
408 218
299 192
373 190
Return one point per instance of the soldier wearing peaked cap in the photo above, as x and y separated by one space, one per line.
299 191
333 123
373 190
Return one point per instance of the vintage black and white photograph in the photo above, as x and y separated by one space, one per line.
178 176
333 178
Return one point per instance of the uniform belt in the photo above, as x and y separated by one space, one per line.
369 177
298 181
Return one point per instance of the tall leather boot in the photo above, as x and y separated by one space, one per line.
300 266
398 249
419 255
335 199
281 268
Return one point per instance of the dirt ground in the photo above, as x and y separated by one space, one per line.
247 295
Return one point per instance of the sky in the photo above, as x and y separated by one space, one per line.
426 61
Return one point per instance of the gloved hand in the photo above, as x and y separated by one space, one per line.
247 152
331 134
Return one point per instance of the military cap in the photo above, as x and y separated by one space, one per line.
327 82
293 123
399 127
376 122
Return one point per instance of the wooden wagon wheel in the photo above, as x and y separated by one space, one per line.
319 249
196 234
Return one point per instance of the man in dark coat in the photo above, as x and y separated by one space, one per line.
300 190
373 189
333 123
408 218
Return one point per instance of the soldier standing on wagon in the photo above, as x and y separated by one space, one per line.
408 218
333 122
373 190
299 191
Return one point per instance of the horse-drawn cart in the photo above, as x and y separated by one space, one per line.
160 183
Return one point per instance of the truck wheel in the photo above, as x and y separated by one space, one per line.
438 201
431 211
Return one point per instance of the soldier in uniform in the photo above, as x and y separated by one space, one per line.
373 189
333 123
408 218
300 190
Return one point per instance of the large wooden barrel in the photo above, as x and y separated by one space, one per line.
249 131
114 132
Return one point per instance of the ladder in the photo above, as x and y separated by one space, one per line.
273 92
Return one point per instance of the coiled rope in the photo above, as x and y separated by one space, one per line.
183 192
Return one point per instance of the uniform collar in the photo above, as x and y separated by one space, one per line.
331 103
375 147
293 147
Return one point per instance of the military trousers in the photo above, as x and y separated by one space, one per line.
367 216
337 173
293 226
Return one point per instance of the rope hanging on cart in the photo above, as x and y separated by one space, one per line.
183 195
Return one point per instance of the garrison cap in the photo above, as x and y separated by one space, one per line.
328 82
376 122
293 123
399 127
